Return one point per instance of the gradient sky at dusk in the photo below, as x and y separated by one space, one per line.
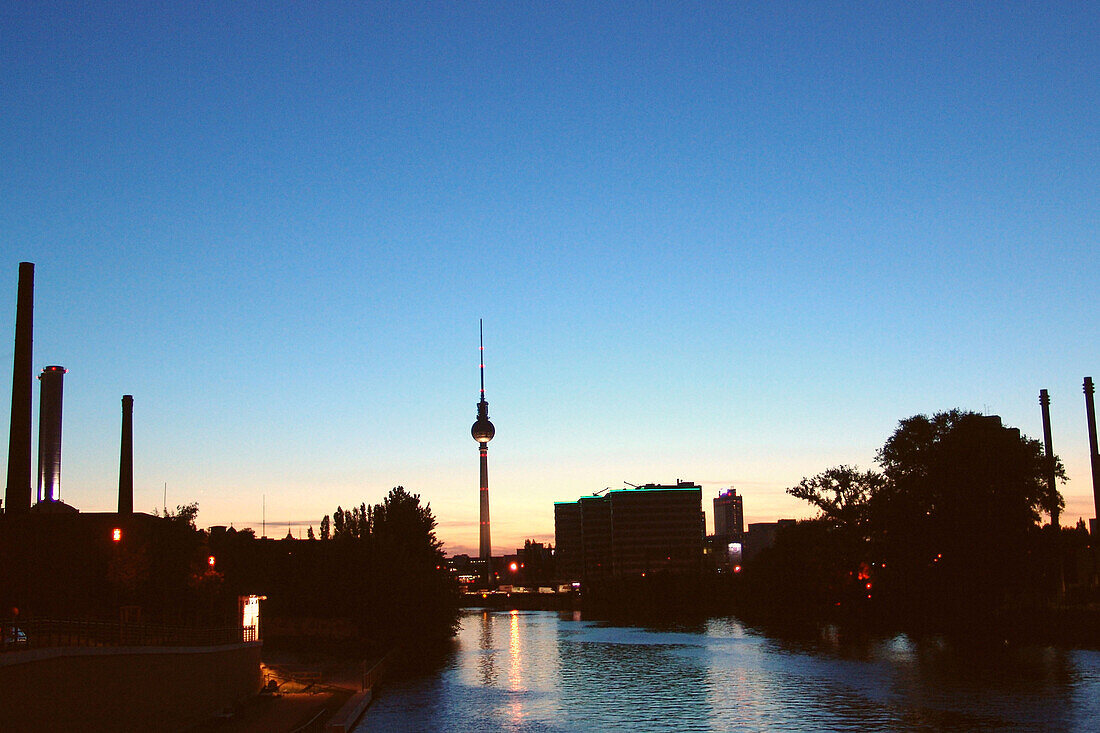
718 242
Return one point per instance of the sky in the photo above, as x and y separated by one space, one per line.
726 243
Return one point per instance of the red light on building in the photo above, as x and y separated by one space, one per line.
513 567
116 535
736 568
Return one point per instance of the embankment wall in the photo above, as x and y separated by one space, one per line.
124 688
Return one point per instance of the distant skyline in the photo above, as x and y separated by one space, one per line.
721 243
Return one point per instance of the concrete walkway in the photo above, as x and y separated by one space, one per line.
311 689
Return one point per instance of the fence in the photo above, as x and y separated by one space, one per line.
21 634
370 677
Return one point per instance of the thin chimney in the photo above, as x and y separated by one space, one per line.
1044 402
1090 413
126 458
19 439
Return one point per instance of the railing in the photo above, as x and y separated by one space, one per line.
20 634
371 677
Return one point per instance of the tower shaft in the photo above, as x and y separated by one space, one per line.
486 546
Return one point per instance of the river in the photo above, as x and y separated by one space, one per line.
547 671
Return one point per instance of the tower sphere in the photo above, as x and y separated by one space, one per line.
483 430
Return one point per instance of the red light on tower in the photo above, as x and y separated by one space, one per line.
513 567
210 562
116 535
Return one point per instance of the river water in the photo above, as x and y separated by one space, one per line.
547 671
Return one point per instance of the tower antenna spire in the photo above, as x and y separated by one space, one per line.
481 353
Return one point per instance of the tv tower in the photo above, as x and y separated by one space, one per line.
483 431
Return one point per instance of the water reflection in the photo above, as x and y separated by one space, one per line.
486 661
540 671
515 670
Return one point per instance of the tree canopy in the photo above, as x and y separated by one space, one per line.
843 494
954 512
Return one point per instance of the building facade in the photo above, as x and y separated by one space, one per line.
729 516
761 536
650 529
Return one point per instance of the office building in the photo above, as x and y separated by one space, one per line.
729 516
649 529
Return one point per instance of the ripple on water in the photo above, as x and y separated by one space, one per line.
537 671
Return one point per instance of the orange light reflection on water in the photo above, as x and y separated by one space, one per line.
515 672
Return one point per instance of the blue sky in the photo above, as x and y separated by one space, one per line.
721 242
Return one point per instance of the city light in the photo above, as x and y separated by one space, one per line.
250 615
210 561
513 567
116 535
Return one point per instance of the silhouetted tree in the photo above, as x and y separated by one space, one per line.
949 528
961 506
843 494
309 533
414 598
325 523
185 514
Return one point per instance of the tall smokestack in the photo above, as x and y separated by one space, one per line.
19 439
49 433
1090 413
126 458
1044 402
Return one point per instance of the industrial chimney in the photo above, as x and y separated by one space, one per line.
1048 443
1090 414
19 438
49 433
126 458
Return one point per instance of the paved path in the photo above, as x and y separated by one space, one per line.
311 688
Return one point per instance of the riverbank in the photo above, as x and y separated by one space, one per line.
303 691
